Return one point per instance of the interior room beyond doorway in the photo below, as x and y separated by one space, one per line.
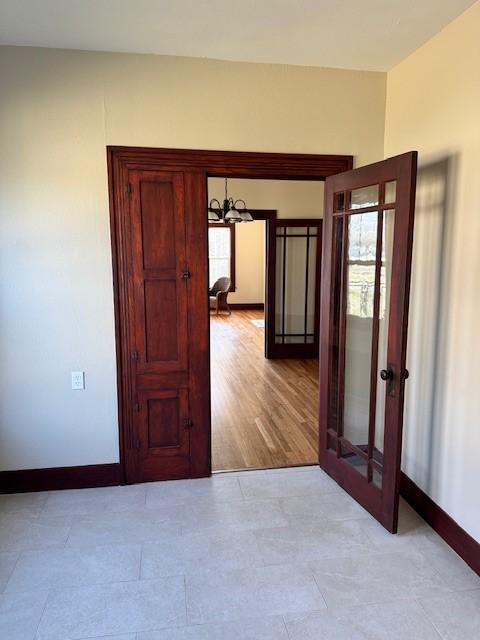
265 409
264 412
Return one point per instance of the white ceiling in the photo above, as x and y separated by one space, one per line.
352 34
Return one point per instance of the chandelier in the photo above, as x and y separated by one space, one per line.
231 211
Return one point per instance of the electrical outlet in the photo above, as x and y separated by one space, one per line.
78 380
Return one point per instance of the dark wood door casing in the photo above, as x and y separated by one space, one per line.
162 319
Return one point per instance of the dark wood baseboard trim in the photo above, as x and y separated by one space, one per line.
92 475
244 306
453 534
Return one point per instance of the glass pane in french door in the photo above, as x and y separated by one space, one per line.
364 259
383 322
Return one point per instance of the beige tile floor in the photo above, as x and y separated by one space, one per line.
273 555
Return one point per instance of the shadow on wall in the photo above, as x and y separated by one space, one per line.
427 337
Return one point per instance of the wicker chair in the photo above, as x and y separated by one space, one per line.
218 295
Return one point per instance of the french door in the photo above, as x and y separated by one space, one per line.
368 232
294 248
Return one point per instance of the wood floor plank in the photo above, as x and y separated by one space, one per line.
264 412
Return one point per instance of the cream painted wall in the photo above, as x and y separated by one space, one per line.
58 111
291 199
433 102
250 263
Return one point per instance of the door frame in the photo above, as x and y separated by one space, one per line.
269 216
205 164
300 350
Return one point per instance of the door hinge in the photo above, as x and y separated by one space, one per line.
187 423
129 188
137 407
137 444
135 356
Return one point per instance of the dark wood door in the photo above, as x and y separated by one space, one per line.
367 249
294 249
165 270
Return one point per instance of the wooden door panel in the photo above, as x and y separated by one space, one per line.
165 346
157 210
162 423
368 236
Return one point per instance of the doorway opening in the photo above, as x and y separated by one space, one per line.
158 202
264 296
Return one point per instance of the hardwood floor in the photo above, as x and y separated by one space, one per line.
264 412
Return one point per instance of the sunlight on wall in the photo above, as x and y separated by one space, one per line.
442 436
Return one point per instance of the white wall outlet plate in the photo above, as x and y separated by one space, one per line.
78 380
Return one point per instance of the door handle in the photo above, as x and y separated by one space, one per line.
186 274
388 376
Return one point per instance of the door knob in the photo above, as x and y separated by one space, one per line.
386 374
186 275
